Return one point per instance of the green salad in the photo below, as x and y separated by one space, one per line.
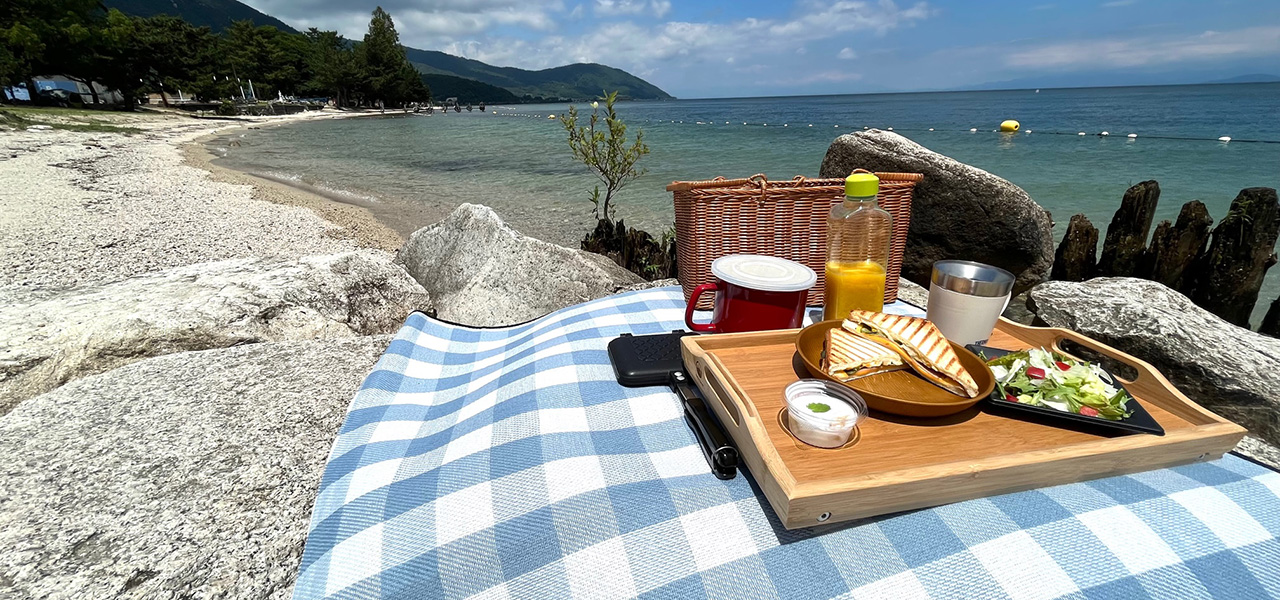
1042 378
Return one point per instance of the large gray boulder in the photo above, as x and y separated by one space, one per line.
184 476
481 272
1229 369
82 331
958 211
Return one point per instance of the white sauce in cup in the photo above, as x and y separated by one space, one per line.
823 413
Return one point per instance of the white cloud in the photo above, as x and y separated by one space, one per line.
609 8
1146 51
630 46
1118 3
847 54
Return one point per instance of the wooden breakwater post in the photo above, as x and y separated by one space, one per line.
1221 270
1126 240
1228 276
1174 247
1077 256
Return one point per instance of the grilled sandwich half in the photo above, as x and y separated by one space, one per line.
920 345
850 356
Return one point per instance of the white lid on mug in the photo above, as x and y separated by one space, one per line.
764 273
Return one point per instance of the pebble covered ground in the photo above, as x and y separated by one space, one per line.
87 207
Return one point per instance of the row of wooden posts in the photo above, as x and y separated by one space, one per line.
1220 270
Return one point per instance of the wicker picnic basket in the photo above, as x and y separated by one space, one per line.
787 219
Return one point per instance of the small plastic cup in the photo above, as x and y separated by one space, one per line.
823 413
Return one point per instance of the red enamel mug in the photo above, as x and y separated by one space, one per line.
753 293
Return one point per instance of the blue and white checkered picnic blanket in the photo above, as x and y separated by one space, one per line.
508 463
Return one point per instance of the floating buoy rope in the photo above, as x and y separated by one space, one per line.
1007 126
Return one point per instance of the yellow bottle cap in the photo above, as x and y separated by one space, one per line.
861 185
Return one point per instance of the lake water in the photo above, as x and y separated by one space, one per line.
517 160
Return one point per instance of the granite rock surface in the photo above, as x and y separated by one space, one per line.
481 272
190 475
91 329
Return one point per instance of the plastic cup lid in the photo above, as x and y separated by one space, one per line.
764 273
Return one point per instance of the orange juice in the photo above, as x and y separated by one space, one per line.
853 285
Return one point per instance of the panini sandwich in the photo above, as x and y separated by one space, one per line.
920 345
850 356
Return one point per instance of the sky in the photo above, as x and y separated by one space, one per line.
724 48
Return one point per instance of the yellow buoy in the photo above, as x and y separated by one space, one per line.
1009 126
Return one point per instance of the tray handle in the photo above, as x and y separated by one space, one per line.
1147 379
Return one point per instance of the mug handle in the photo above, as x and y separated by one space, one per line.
693 301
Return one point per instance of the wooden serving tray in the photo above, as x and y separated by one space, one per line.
901 463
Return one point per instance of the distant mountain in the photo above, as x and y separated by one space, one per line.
1251 78
1117 79
214 14
467 91
577 81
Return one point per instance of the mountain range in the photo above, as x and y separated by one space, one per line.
446 74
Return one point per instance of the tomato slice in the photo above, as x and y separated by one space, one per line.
1063 366
1035 372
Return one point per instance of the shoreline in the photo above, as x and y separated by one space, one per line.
353 221
531 213
380 222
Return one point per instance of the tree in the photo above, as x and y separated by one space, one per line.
39 36
167 53
272 60
606 154
333 65
388 75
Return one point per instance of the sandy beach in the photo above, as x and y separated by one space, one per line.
80 208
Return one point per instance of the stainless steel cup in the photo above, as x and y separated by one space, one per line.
966 299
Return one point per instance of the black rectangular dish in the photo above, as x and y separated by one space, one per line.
1140 421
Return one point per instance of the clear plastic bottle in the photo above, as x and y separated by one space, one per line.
858 242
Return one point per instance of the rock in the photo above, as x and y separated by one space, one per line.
1077 255
1228 279
958 211
184 476
481 272
1175 247
1228 369
913 293
648 285
47 342
1260 451
1271 322
1126 240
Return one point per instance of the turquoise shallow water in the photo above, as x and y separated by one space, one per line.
517 161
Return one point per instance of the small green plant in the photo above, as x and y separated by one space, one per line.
228 108
605 151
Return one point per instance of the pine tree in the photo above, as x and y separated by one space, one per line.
389 77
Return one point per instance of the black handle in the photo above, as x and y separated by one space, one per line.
716 447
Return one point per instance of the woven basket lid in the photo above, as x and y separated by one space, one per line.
764 273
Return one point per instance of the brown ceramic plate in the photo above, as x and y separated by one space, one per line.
899 392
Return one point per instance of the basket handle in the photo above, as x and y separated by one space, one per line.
761 180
